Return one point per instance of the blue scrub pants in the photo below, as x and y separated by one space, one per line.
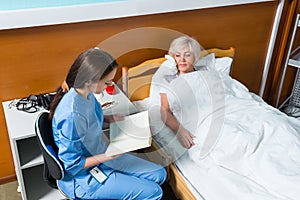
132 178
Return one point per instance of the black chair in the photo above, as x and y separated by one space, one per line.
53 169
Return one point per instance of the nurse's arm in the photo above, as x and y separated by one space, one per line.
97 159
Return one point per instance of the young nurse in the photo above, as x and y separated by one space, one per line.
77 120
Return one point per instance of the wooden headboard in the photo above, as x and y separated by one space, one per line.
136 80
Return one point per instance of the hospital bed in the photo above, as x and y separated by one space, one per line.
256 157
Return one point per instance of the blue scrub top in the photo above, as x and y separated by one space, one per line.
77 128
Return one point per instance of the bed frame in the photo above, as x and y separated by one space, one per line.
136 82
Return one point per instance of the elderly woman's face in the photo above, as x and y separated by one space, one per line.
184 59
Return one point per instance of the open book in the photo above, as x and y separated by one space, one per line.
130 134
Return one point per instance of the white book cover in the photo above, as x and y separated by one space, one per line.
130 134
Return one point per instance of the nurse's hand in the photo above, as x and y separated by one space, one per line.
91 161
113 118
114 156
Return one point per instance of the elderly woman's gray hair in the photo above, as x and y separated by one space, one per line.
183 41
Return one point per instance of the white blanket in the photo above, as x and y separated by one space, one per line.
245 149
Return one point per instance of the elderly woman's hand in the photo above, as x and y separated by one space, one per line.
185 138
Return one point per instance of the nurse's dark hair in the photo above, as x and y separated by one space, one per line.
91 65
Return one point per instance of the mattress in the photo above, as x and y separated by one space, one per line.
256 154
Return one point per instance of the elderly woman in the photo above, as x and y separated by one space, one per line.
186 52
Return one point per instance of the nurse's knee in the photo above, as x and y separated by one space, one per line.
155 192
161 176
159 192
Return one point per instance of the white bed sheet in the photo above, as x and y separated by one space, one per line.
256 156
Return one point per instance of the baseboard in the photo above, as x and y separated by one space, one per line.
7 179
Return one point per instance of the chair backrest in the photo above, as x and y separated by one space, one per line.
53 169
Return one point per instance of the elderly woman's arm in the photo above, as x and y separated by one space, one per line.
183 135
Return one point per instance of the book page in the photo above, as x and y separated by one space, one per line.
130 134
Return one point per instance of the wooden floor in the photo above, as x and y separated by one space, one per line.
9 191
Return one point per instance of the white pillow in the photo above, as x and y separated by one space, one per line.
207 62
169 68
223 64
210 62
